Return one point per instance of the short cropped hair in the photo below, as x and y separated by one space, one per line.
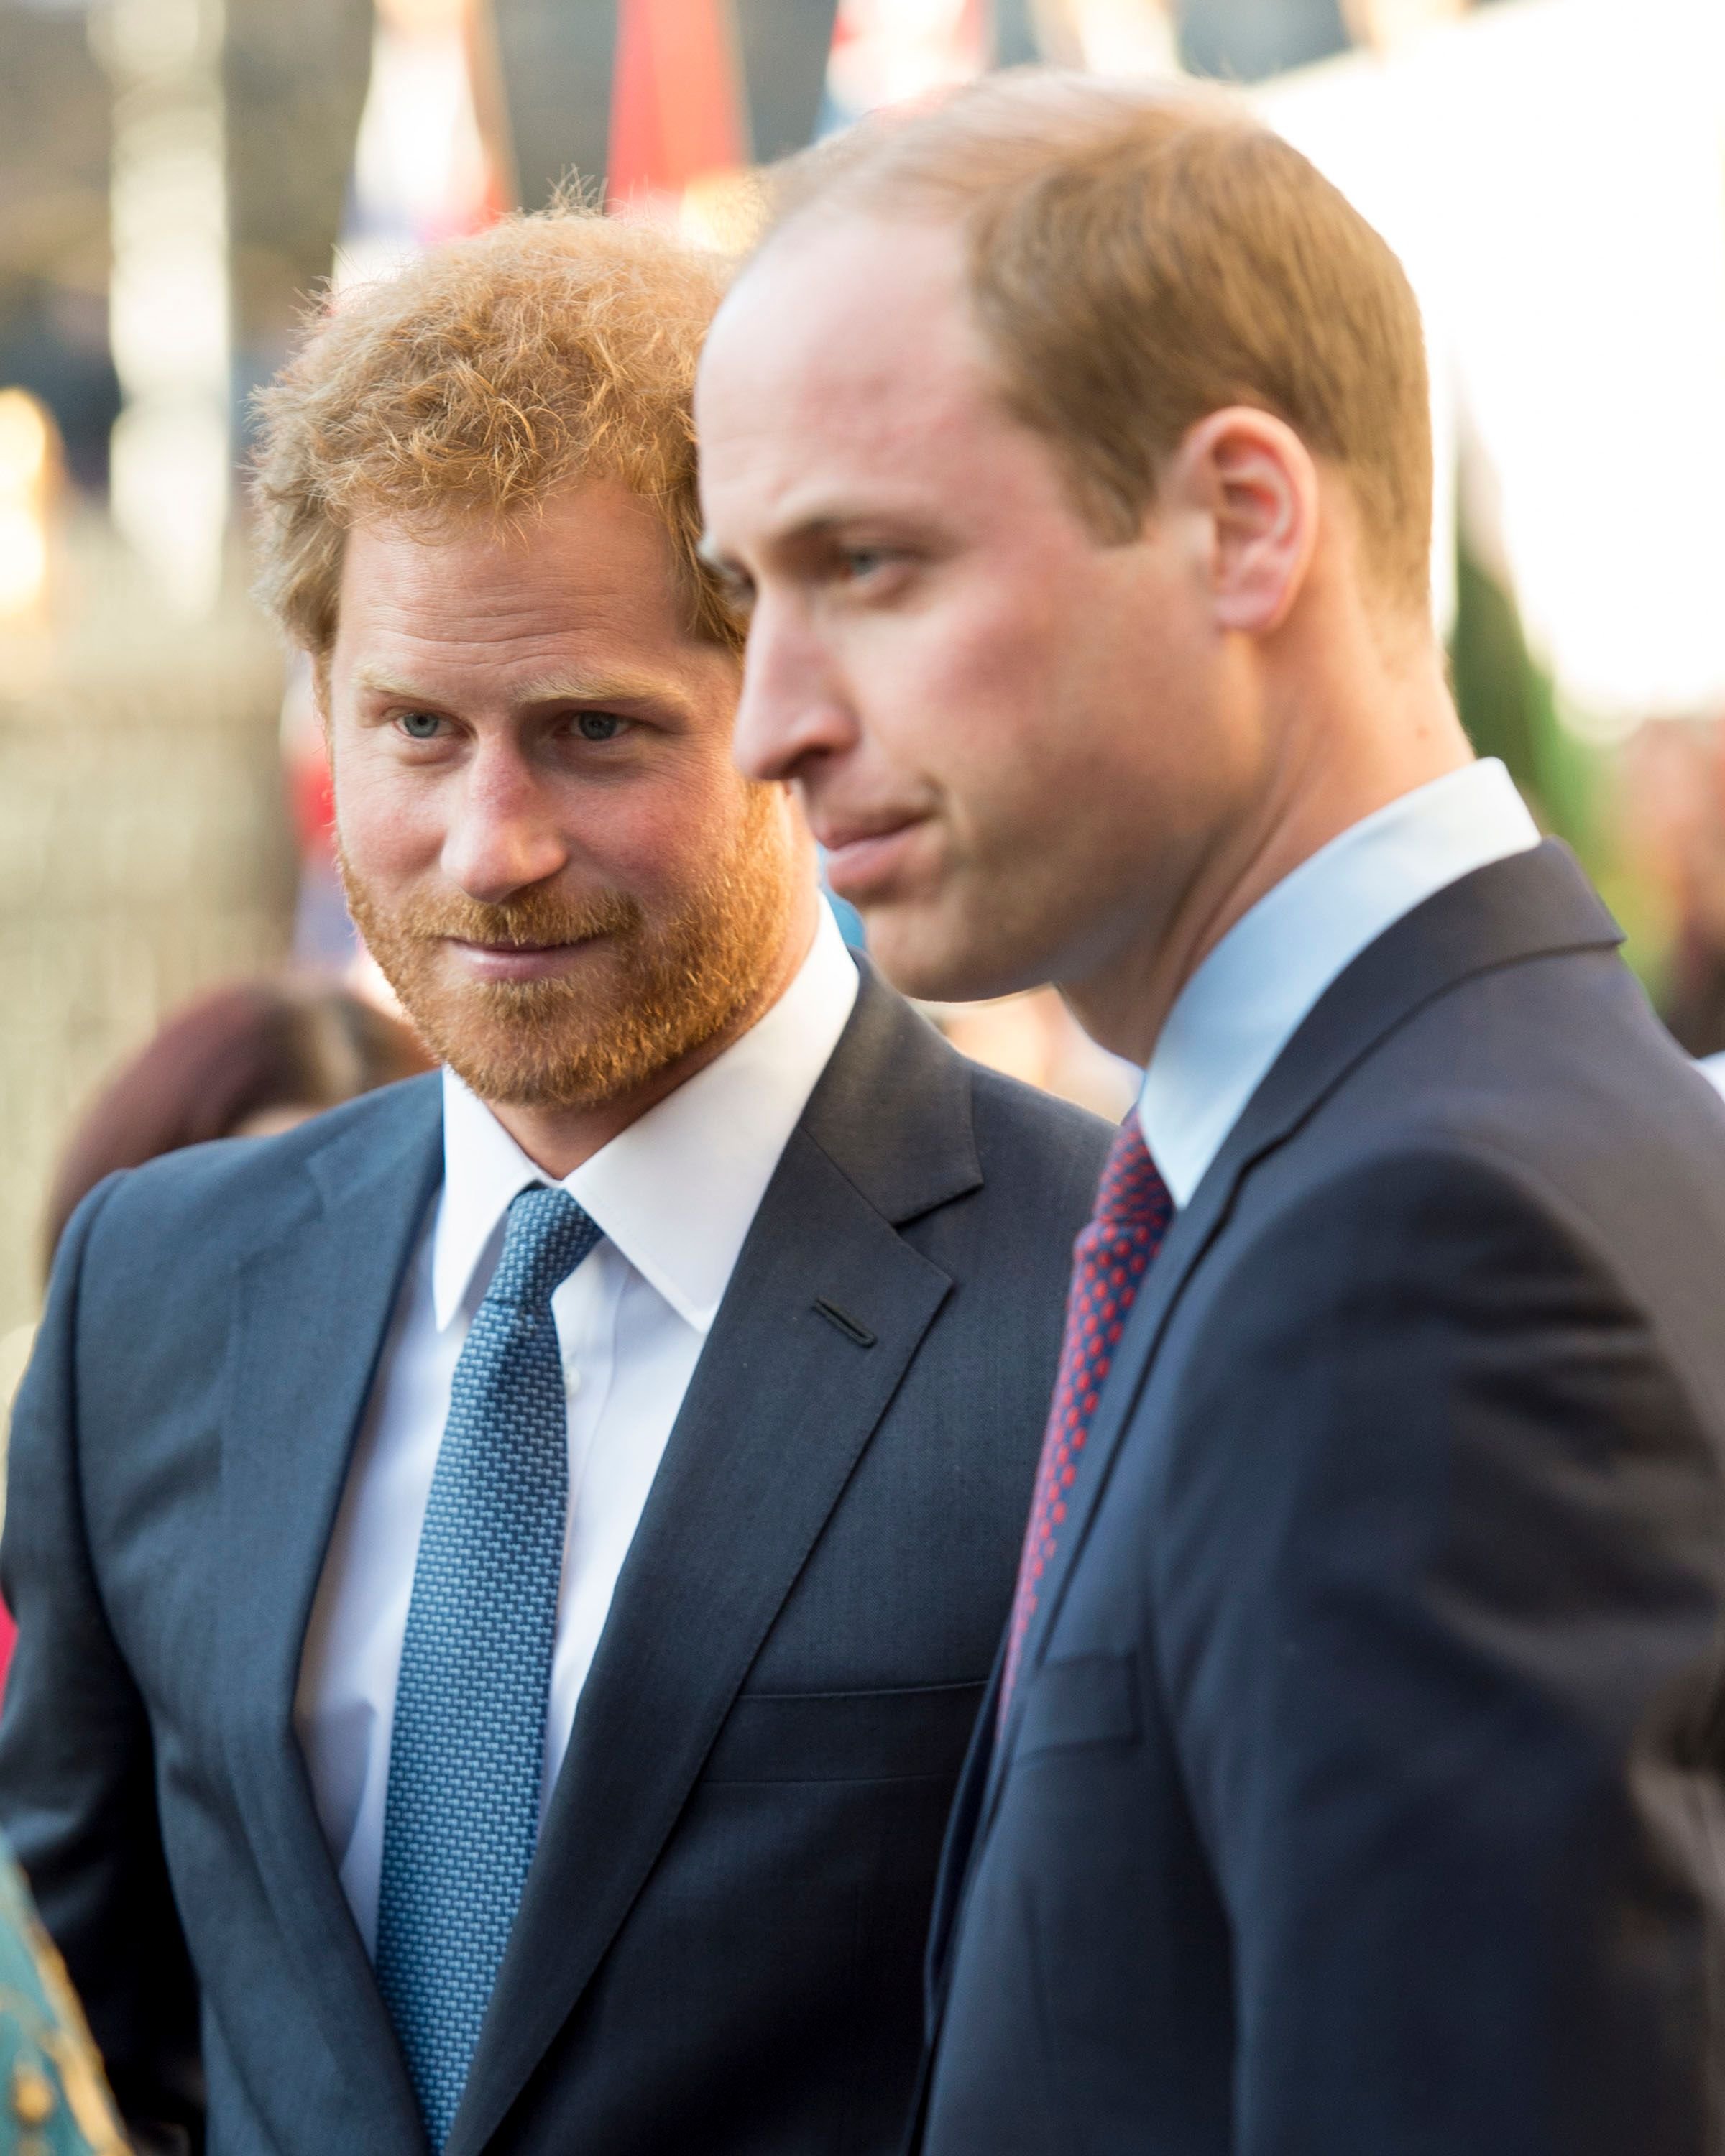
1140 257
489 373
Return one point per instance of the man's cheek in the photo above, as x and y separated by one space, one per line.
384 829
653 849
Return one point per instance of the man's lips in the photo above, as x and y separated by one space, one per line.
519 962
862 859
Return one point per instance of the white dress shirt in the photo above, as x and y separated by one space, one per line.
674 1194
1246 1000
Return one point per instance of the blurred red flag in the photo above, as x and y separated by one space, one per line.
675 110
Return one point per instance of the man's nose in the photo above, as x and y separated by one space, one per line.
505 834
792 709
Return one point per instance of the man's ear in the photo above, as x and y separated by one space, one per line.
1254 483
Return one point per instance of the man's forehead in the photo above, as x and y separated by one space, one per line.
827 373
583 554
589 514
876 310
552 617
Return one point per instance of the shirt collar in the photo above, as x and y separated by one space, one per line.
1242 1005
675 1192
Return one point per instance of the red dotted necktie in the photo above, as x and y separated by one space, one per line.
1110 1258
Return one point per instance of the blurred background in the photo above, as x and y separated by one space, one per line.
177 178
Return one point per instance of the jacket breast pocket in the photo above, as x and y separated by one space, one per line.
907 1733
1082 1701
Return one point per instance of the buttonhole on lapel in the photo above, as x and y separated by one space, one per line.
848 1326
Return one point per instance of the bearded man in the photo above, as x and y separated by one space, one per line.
505 1573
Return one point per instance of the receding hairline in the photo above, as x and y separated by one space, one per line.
1285 283
858 172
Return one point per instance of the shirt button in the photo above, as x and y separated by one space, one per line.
571 1378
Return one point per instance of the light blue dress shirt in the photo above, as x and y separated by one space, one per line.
1247 998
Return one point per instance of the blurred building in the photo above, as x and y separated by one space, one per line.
177 178
56 124
142 856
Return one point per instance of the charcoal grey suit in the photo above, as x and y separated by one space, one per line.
719 1947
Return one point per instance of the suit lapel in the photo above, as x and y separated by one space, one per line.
313 1309
1531 904
782 1406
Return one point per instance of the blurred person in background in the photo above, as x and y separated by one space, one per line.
243 1061
246 1060
1353 1779
1035 1037
511 1566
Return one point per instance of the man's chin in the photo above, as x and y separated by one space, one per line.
546 1092
529 1066
937 957
528 1046
573 1082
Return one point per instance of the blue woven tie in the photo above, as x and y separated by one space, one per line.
466 1753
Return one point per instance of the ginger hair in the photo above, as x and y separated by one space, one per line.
1139 258
492 373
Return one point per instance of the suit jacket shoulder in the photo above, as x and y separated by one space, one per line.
233 1192
914 1124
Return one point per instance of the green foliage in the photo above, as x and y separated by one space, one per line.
1509 705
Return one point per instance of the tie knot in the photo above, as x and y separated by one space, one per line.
1131 1198
547 1236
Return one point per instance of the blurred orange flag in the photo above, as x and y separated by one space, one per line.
676 112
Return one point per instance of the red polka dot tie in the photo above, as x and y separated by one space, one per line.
1110 1258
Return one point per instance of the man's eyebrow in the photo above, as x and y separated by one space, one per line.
378 681
621 685
808 531
567 685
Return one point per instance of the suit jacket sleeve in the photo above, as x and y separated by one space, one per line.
1440 1600
77 1785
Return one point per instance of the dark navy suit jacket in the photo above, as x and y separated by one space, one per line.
1360 1793
719 1949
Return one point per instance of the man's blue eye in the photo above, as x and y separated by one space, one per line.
599 725
420 726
